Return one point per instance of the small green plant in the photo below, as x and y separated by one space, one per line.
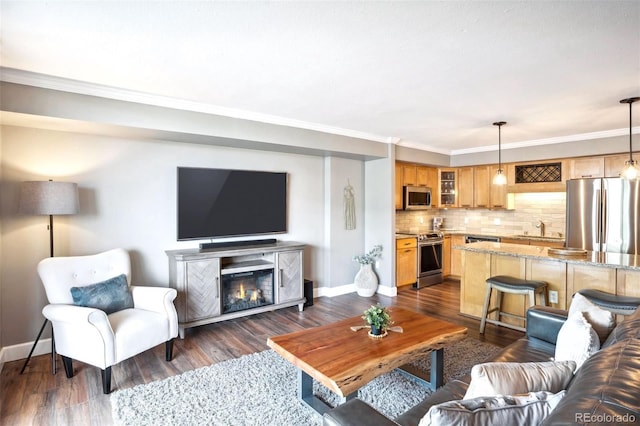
370 257
377 316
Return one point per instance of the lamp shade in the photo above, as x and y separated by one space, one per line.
48 198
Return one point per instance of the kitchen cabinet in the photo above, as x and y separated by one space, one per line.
447 188
614 164
465 187
481 186
427 176
587 167
414 175
498 193
446 256
585 276
409 175
456 255
406 261
398 185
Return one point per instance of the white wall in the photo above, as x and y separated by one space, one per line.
127 199
342 244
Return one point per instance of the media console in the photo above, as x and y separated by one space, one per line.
225 282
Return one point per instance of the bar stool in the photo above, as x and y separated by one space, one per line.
512 285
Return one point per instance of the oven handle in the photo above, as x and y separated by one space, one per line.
430 243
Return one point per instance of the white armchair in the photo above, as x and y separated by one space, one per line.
90 335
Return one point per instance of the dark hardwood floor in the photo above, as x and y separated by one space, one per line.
40 398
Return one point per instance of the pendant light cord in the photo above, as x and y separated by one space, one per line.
630 101
500 124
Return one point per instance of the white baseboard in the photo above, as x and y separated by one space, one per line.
21 351
351 288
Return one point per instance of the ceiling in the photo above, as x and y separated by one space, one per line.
432 75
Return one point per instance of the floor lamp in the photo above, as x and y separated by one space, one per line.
48 198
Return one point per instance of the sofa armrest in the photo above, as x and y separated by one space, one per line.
544 323
356 413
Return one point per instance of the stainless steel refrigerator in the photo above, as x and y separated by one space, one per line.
602 215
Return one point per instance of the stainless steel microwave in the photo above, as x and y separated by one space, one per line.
416 198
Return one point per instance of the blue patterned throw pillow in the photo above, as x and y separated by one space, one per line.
111 296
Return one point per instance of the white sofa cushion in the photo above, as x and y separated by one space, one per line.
602 321
577 340
530 409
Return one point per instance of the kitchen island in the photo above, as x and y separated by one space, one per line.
611 272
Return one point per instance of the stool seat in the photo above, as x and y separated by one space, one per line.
514 283
623 305
511 285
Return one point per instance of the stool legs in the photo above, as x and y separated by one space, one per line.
485 308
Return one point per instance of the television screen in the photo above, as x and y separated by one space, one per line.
223 203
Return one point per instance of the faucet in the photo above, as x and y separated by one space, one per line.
541 226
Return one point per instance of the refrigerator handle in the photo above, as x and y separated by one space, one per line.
598 215
605 208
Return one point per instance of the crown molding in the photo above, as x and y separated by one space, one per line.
549 141
12 75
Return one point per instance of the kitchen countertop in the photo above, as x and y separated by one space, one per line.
608 260
510 236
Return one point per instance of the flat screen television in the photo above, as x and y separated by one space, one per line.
224 203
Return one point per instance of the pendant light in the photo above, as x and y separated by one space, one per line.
499 178
631 169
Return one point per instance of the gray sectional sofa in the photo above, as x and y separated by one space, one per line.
604 390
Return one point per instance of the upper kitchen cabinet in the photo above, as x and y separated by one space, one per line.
498 198
447 188
465 187
414 175
481 186
427 176
409 175
614 164
587 167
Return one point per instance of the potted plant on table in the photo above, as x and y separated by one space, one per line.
366 280
378 318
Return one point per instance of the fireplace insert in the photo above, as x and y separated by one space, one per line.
247 290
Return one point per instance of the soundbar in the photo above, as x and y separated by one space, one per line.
225 244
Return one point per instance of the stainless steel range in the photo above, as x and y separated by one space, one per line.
429 259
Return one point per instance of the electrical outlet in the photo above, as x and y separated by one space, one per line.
553 296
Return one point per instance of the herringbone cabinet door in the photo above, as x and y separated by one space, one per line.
289 268
203 291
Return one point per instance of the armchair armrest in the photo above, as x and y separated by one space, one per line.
75 314
91 326
154 299
157 299
544 323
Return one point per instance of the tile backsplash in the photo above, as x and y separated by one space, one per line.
550 207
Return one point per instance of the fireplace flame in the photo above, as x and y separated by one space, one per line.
242 294
254 296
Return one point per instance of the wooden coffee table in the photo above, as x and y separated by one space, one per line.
344 360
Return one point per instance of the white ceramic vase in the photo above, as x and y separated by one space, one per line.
366 281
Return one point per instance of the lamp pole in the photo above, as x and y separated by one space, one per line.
48 198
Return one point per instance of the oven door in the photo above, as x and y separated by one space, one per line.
429 263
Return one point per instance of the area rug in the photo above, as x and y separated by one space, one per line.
260 389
